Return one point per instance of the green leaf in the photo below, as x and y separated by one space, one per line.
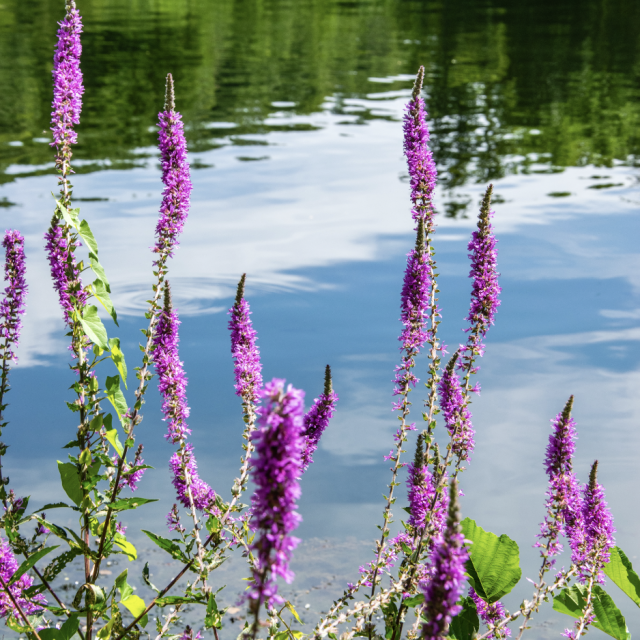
115 395
118 358
123 587
94 597
70 481
494 562
70 215
608 618
466 624
621 572
87 235
98 269
65 632
27 564
59 563
167 600
212 618
168 545
101 293
130 503
54 505
213 524
293 611
146 578
112 437
126 546
136 605
413 601
93 326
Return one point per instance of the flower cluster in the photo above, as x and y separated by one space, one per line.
183 465
490 613
442 591
276 469
12 307
8 566
67 89
128 477
317 419
456 413
175 176
422 168
246 355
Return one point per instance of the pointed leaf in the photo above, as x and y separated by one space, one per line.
115 395
466 624
494 562
70 215
87 235
118 358
621 572
98 269
126 546
27 564
130 503
93 327
112 437
136 605
65 632
101 293
168 545
70 481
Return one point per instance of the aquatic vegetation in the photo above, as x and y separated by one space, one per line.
415 582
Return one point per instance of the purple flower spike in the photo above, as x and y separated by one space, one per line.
172 381
128 477
317 419
443 590
279 443
564 502
12 308
484 272
8 566
598 528
490 614
182 463
457 416
67 92
422 168
248 368
175 176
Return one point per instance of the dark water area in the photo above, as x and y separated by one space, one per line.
293 119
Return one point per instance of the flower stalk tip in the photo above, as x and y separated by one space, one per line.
240 291
417 85
328 383
169 94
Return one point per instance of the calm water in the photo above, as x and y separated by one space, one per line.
293 121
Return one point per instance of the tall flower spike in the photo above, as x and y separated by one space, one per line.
175 176
598 528
564 502
279 442
456 413
246 355
67 94
317 419
12 307
8 566
443 590
422 168
183 462
418 488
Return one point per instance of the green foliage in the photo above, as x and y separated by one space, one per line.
494 562
101 293
608 617
30 562
66 631
466 623
212 618
134 603
115 395
621 572
170 546
118 358
70 481
93 326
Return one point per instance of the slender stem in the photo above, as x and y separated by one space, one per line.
16 604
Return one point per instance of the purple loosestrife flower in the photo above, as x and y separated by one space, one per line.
317 419
128 477
173 520
183 463
456 414
67 93
12 307
279 443
172 381
8 566
490 614
564 503
175 176
447 580
248 368
189 635
598 528
422 168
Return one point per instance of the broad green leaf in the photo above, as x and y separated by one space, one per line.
212 617
466 623
112 437
608 618
130 503
98 269
413 601
168 545
136 605
281 635
70 481
123 587
70 215
293 611
93 326
621 572
494 562
87 235
27 564
118 358
126 546
101 293
115 395
65 632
